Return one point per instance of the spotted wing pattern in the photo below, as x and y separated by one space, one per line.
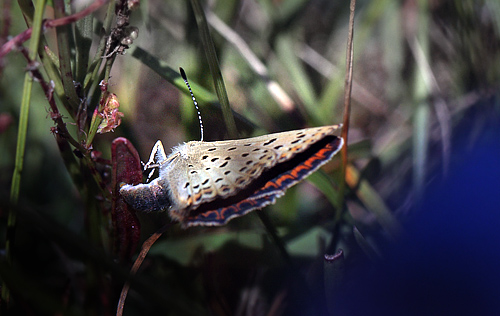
297 156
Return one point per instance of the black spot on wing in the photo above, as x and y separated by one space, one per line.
269 142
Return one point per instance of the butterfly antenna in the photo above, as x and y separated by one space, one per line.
183 75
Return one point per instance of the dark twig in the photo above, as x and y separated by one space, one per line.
137 264
345 123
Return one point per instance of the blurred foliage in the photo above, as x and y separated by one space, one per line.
423 70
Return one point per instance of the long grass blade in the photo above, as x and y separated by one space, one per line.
213 64
21 137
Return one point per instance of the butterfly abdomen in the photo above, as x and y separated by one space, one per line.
146 197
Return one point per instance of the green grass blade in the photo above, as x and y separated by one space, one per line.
21 136
166 72
213 64
373 201
286 52
422 87
83 36
64 39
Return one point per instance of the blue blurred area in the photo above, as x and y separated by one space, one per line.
448 261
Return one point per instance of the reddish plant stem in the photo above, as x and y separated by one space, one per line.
55 115
47 24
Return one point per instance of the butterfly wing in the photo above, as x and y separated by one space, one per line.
296 154
216 170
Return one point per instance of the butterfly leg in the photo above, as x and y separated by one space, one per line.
156 158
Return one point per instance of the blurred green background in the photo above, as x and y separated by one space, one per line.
424 72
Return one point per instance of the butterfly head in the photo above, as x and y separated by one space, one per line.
146 197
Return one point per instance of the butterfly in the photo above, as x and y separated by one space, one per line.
205 183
